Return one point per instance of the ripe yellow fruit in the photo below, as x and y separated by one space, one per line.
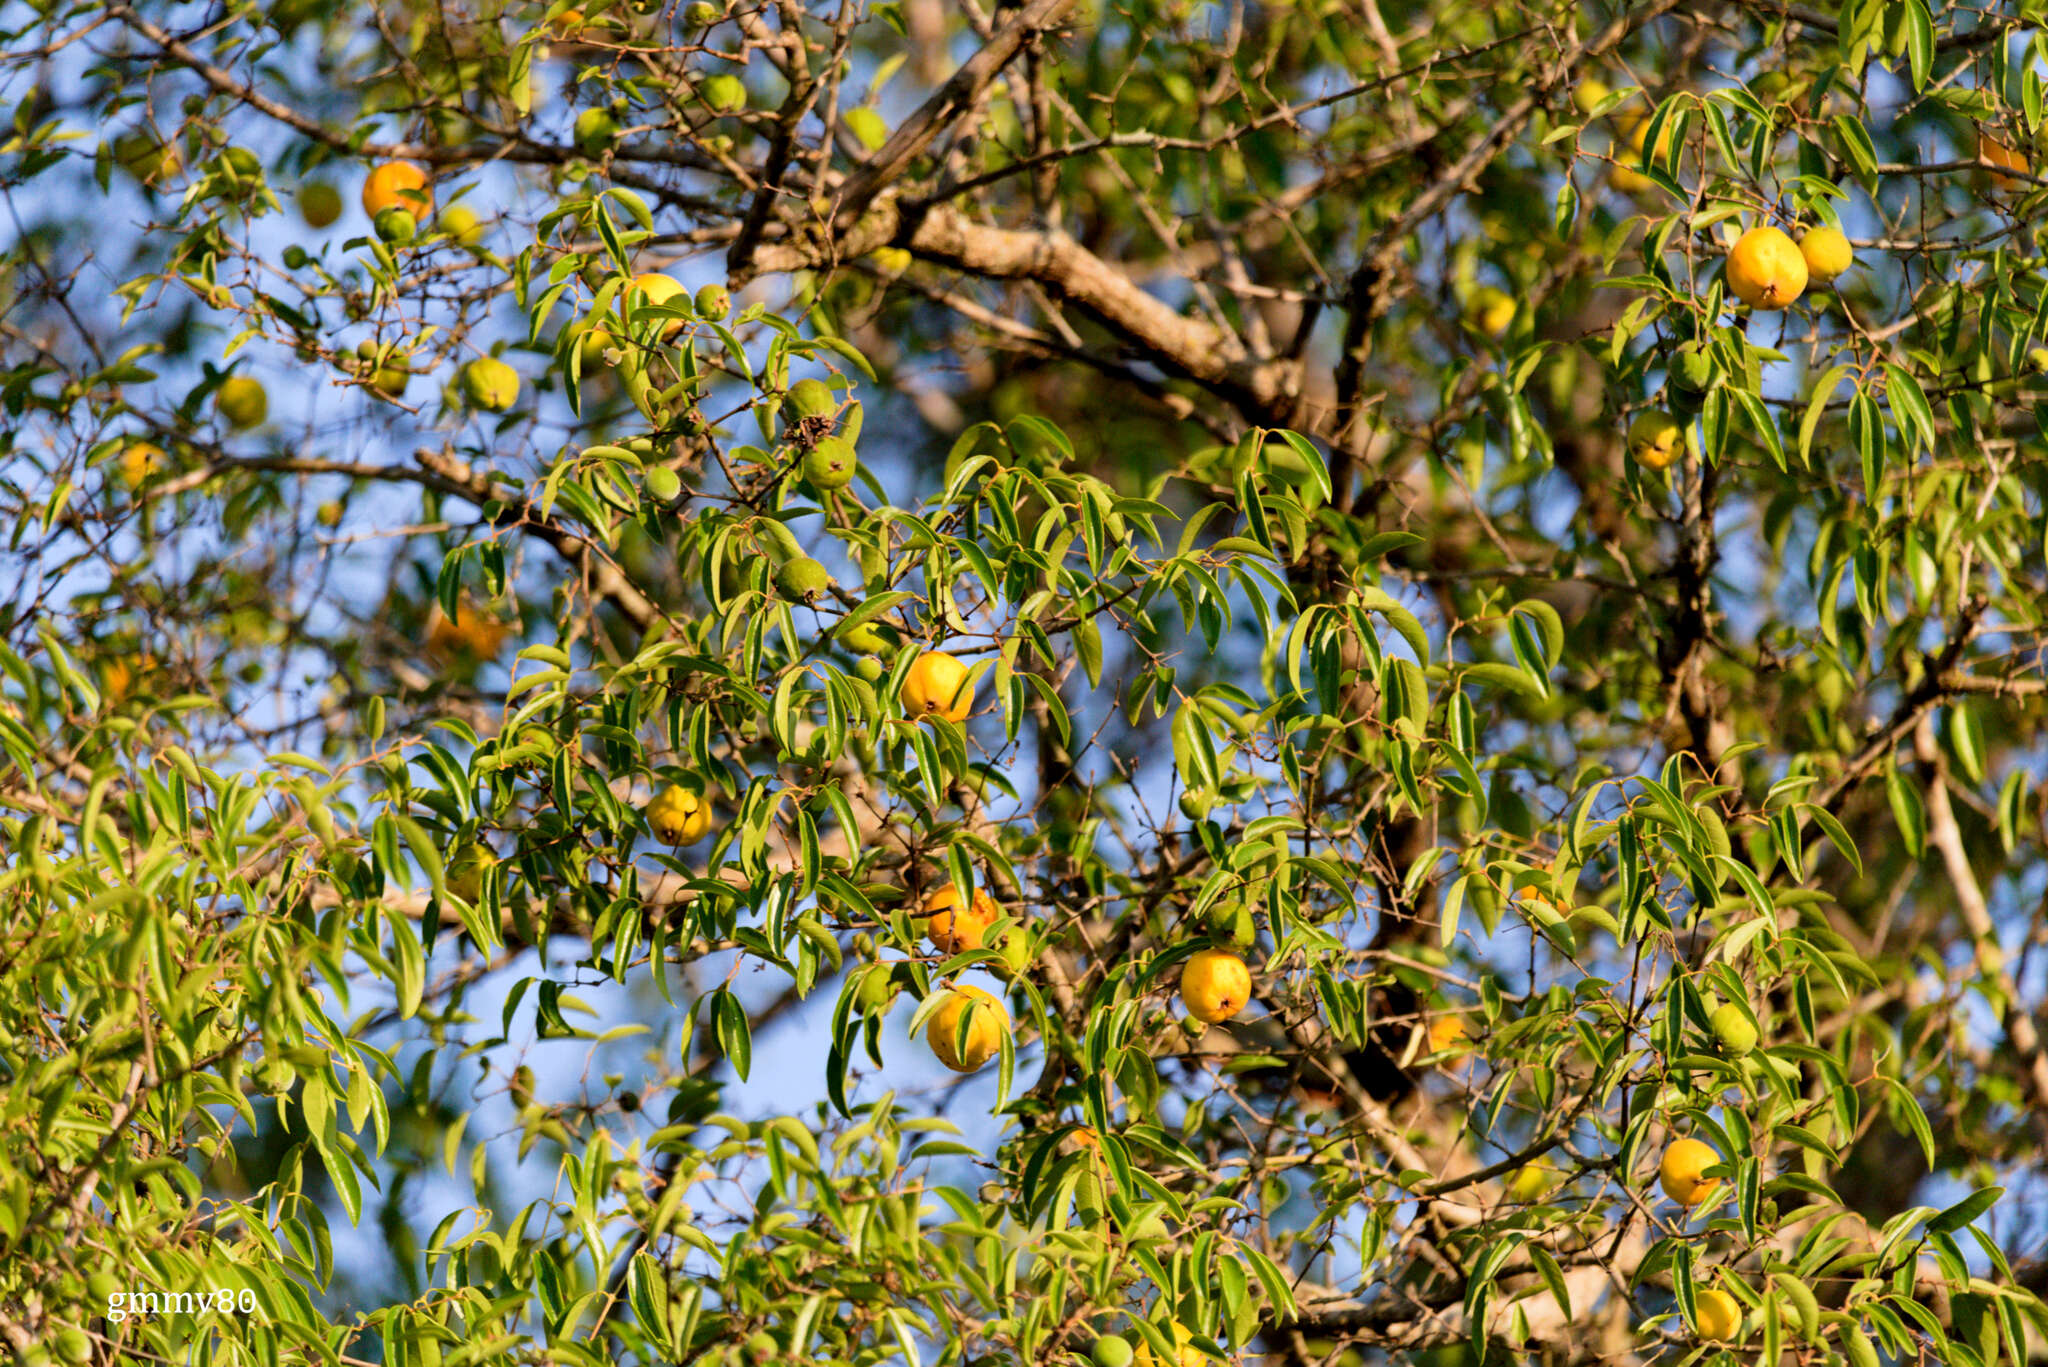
488 383
937 686
678 816
471 635
1827 253
1718 1315
1184 1354
1534 1182
986 1020
460 222
953 930
397 184
1655 439
1765 270
1588 94
1998 154
1682 1172
1215 985
656 288
242 402
141 460
1627 175
1491 310
1446 1031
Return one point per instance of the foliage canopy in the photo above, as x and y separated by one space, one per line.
582 580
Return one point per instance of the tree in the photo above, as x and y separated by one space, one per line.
1023 684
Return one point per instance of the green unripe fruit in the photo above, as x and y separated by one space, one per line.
1731 1026
865 639
595 131
662 483
761 1346
101 1287
713 302
866 125
1691 369
465 872
319 204
869 668
877 989
831 464
802 579
74 1345
397 226
810 399
701 14
725 94
1112 1350
488 383
329 514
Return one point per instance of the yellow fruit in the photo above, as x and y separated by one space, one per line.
460 222
1998 154
470 636
1491 310
987 1023
892 261
592 343
1534 1182
1215 985
951 930
1827 253
1717 1315
656 288
1766 270
1655 439
1446 1031
1627 176
569 24
937 686
1184 1354
319 204
488 383
1682 1172
141 460
397 184
1588 94
678 816
242 402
